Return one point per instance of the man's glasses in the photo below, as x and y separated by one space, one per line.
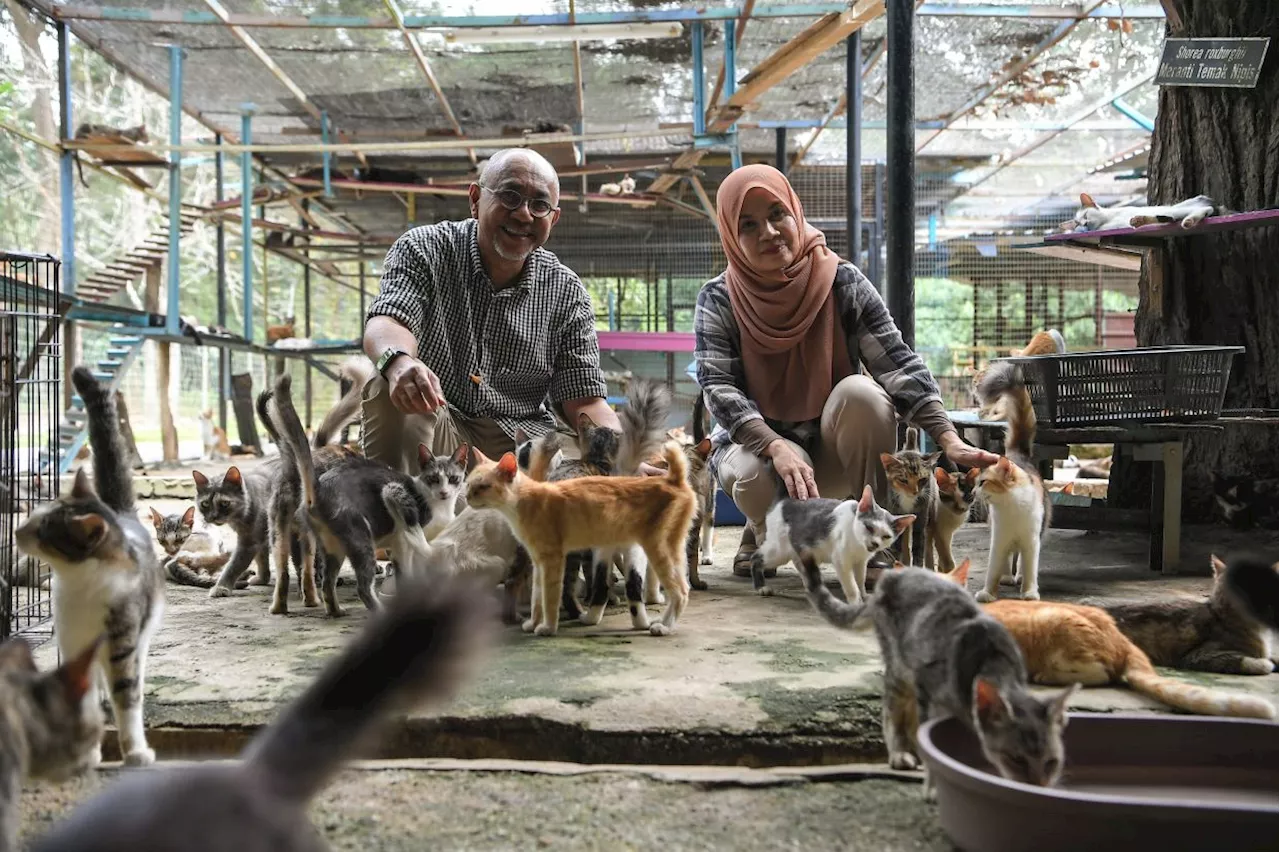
538 208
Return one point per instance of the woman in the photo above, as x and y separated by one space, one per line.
780 336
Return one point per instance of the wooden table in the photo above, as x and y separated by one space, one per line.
1160 444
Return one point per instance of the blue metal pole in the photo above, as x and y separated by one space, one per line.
324 137
246 216
172 318
1126 109
731 84
66 172
699 85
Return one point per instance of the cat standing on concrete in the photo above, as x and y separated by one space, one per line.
480 542
846 533
912 490
213 438
106 578
240 501
191 558
1091 217
1020 507
47 727
1228 633
702 539
944 656
1066 643
956 493
415 653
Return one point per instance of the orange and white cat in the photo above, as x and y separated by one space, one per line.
553 519
1065 643
213 438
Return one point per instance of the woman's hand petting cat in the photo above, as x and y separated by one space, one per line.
794 470
964 454
414 388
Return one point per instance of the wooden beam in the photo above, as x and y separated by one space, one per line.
639 200
701 192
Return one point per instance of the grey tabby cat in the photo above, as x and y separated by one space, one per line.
192 558
944 656
912 490
240 501
415 652
47 727
106 578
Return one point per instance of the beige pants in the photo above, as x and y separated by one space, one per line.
858 424
392 437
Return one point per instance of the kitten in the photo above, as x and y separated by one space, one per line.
1244 502
192 558
480 542
47 728
239 501
912 490
214 438
1091 217
553 519
106 578
943 656
1020 507
415 653
440 478
1066 643
956 493
846 533
702 540
1226 633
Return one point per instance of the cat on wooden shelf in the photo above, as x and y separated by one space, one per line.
1091 217
280 332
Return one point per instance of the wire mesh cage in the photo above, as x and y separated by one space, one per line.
30 402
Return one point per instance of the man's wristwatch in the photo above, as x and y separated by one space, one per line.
384 360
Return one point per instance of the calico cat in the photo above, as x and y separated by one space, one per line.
846 533
414 654
956 493
1012 487
1244 502
213 438
106 578
47 728
553 519
944 656
1066 643
192 558
912 490
1228 633
1188 213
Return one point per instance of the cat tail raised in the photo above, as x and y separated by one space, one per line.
677 464
112 478
699 417
1004 387
541 454
835 611
294 449
1140 675
416 651
644 424
1253 582
357 371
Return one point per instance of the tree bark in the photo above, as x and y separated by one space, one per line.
168 431
1219 289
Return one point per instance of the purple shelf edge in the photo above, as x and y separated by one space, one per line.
1236 221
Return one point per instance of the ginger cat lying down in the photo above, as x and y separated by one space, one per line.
553 519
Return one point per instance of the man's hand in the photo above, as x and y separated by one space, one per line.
794 470
414 388
961 453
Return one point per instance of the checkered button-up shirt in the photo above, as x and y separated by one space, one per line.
498 353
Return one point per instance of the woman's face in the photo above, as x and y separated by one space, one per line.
767 233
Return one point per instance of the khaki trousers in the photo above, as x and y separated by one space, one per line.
858 424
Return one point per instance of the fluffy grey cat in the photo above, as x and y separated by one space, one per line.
944 656
106 578
414 652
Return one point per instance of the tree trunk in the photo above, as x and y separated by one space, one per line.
168 432
126 432
1219 289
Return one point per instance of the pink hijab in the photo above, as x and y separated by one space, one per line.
793 346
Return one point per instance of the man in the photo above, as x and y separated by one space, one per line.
476 325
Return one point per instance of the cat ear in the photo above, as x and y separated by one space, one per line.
479 457
155 518
867 500
507 466
1058 704
460 455
703 448
1086 200
944 481
989 705
901 524
960 573
932 458
202 481
15 655
188 517
912 440
76 674
1218 565
81 487
233 477
521 436
899 566
424 454
91 529
1004 465
585 422
887 460
973 474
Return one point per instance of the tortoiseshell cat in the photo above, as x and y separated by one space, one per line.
913 491
956 494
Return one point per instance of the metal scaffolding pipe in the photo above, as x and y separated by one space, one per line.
699 85
172 317
853 146
731 84
327 157
66 172
246 220
901 213
224 354
780 149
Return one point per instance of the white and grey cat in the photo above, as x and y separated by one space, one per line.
192 557
481 542
106 577
944 656
414 653
1091 217
846 533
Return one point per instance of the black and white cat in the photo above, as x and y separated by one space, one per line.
106 577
